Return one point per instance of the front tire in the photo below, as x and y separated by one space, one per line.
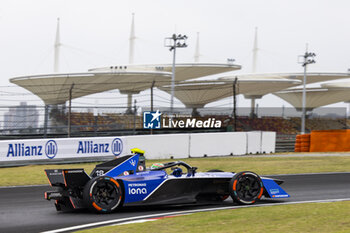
246 188
103 194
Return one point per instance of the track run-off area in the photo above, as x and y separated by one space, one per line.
25 209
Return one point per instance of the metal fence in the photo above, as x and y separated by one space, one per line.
29 121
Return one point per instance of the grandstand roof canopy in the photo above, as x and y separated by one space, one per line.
328 93
337 86
196 94
258 86
54 88
312 77
131 79
315 97
183 71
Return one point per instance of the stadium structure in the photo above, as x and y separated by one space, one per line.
192 88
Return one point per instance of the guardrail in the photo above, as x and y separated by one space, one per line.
285 143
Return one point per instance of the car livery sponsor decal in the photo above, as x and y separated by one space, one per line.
132 162
274 191
280 196
137 189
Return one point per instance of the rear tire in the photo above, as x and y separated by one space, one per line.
246 188
103 194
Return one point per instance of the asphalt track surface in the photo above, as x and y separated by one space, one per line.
23 209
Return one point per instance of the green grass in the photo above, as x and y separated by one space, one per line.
315 217
34 174
321 217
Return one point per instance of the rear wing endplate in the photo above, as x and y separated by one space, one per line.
67 177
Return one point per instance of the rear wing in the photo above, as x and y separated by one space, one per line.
67 177
116 167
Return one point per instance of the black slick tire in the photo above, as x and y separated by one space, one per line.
246 188
103 194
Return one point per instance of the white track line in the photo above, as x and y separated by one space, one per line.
115 221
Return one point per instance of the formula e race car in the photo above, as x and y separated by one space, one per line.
125 181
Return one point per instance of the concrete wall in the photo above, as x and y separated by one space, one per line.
156 146
217 144
162 146
254 142
268 142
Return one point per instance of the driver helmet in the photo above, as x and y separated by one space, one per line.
177 172
157 165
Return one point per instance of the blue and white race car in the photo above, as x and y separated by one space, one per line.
125 181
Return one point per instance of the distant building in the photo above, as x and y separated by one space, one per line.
21 117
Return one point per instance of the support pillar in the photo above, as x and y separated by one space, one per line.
129 93
252 103
46 119
129 104
252 108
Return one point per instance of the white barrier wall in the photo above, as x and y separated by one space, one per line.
253 142
217 144
162 146
39 149
261 142
268 142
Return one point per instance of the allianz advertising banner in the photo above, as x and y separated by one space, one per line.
61 148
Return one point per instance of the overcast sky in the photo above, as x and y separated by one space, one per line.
96 34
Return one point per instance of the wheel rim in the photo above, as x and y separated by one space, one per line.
248 188
105 194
